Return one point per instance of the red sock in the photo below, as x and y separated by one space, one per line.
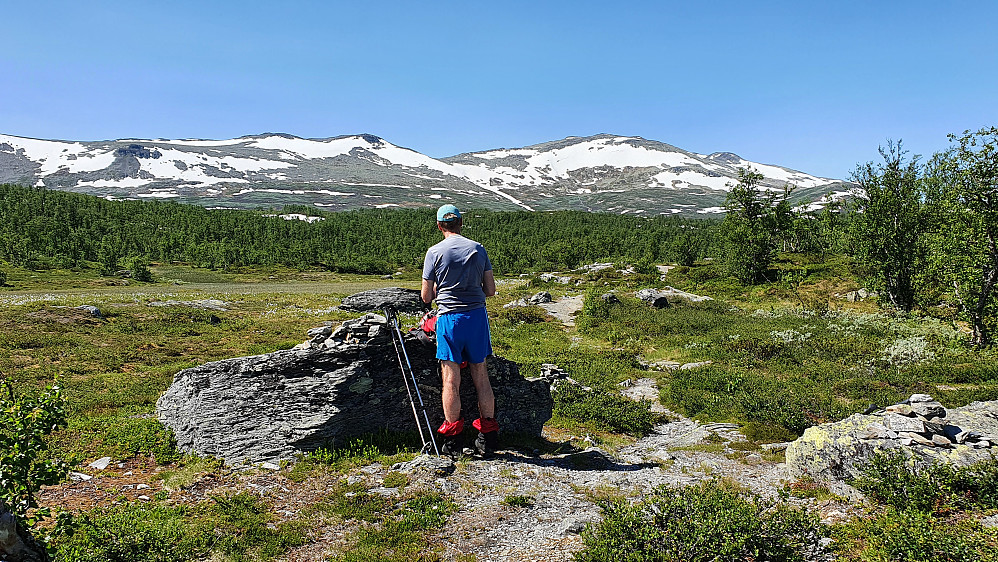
450 429
486 425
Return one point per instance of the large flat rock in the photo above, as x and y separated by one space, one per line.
274 406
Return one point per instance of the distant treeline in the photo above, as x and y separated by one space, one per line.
42 228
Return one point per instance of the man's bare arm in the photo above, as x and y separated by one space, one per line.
427 291
489 283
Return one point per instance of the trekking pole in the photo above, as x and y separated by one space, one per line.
400 352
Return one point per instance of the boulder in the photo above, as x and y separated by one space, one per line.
272 407
840 450
16 542
653 297
402 300
610 298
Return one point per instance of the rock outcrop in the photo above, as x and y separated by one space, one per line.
340 384
402 300
662 298
919 427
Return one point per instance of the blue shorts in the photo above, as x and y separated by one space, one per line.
464 336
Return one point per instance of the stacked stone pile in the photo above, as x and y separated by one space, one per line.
370 328
919 427
920 420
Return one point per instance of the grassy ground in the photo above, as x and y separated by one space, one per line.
784 357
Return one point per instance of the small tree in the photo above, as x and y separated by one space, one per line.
140 269
752 225
24 422
890 226
108 258
3 278
964 200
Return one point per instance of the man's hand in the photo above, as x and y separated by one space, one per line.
427 291
489 283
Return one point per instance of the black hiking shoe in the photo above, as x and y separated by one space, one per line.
452 446
486 444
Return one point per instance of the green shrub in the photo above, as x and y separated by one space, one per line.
709 521
605 409
525 314
25 420
893 479
913 536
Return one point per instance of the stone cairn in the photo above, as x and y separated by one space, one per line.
919 420
919 427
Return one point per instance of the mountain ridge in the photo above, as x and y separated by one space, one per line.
603 172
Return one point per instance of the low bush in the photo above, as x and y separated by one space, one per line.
120 436
908 535
401 536
603 409
235 528
893 479
705 522
522 314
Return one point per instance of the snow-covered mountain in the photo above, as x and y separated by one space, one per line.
600 173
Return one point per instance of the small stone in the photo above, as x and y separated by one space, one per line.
935 428
942 441
145 498
610 298
921 439
965 436
270 466
775 447
436 466
899 424
93 310
929 410
320 331
980 444
142 487
541 298
900 409
129 473
101 463
79 477
575 527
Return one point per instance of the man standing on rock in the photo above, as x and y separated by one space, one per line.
458 274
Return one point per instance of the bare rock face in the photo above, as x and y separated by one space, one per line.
402 300
336 386
919 427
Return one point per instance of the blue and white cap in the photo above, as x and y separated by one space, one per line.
445 210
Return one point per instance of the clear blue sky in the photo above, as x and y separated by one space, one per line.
815 86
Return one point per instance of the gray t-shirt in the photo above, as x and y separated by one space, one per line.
457 265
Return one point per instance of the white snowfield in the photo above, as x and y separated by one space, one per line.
203 163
